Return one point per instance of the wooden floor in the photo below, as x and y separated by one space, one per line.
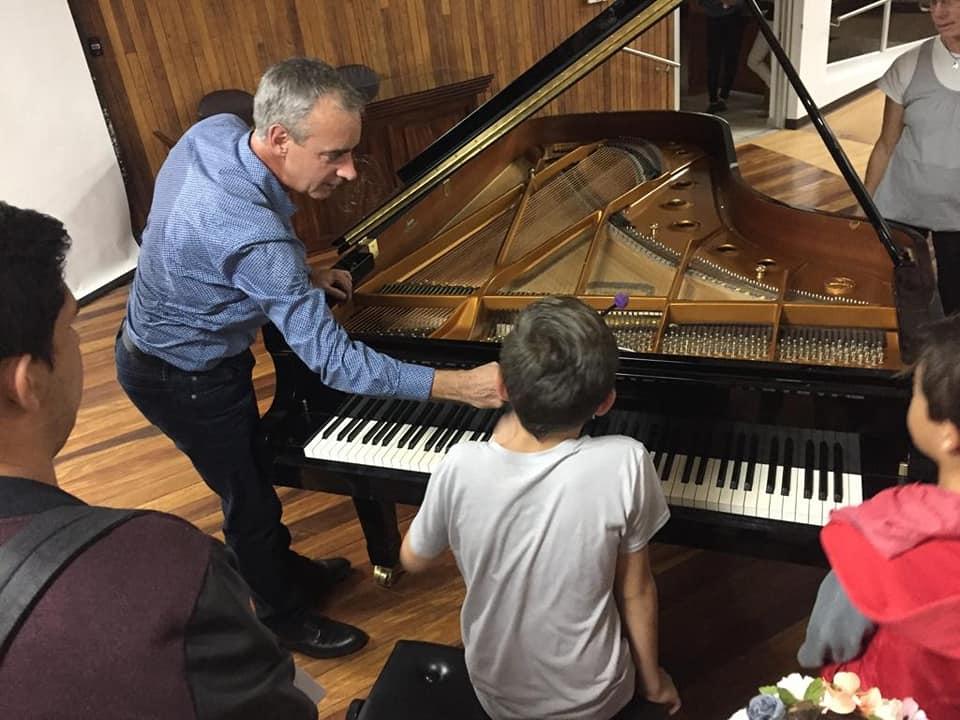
727 622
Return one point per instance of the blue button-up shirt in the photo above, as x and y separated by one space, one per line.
220 258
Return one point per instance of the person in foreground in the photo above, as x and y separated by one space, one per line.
151 620
914 169
550 531
889 610
220 259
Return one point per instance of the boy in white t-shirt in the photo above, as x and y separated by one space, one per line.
550 532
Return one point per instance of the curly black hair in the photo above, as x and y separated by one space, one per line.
33 247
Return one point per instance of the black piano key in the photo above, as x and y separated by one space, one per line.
343 412
726 450
704 452
653 445
399 418
752 456
669 444
353 432
455 424
418 430
631 424
787 466
359 415
740 455
824 484
837 473
808 468
619 422
691 454
491 424
773 460
420 411
453 440
441 424
383 413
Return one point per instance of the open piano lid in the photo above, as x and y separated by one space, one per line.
581 53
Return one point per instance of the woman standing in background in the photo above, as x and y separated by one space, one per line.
914 169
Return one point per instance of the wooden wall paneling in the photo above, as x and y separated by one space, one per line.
161 57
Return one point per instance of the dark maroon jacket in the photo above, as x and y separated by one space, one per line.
151 621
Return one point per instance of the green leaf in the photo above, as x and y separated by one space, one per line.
769 690
814 691
787 697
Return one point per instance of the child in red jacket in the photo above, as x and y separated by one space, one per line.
890 609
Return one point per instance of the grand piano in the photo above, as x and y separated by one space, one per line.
761 345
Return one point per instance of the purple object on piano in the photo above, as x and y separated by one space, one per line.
620 301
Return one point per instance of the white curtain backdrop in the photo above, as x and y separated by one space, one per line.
55 151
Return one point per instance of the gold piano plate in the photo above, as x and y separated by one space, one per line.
593 206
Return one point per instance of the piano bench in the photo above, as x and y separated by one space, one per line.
420 681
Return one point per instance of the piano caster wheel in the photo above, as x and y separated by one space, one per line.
385 576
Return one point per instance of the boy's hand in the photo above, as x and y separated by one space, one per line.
665 692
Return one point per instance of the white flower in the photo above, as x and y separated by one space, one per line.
739 715
889 710
795 684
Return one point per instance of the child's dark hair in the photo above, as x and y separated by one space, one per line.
558 363
32 251
939 368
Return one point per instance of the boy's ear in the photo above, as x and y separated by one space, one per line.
18 382
950 438
502 388
608 402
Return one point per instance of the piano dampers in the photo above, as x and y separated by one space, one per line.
634 330
405 321
590 185
747 342
850 347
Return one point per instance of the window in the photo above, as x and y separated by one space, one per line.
858 27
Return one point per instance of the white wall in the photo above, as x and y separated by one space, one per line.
827 83
55 152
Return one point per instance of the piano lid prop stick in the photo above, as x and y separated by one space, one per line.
620 301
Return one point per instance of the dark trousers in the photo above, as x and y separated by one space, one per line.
724 37
946 246
640 709
212 418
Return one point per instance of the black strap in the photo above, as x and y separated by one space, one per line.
31 559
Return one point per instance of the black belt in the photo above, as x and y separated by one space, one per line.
135 351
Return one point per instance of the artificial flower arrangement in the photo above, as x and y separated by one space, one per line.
799 697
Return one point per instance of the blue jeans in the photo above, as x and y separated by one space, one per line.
212 418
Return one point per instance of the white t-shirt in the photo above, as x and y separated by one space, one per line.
536 537
895 81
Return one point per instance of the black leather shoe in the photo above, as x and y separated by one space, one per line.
317 636
317 577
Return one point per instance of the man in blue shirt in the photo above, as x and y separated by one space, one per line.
219 259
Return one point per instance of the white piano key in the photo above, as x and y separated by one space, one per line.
724 502
690 487
852 489
802 504
751 498
703 489
775 511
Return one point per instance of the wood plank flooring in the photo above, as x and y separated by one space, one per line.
728 622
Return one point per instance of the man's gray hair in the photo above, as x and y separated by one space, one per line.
288 91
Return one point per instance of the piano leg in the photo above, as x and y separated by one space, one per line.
379 522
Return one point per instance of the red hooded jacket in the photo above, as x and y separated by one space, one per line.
897 556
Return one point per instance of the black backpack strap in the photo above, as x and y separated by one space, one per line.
32 558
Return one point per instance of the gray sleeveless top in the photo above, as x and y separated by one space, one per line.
922 183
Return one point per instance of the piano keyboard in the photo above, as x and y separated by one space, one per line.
780 473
